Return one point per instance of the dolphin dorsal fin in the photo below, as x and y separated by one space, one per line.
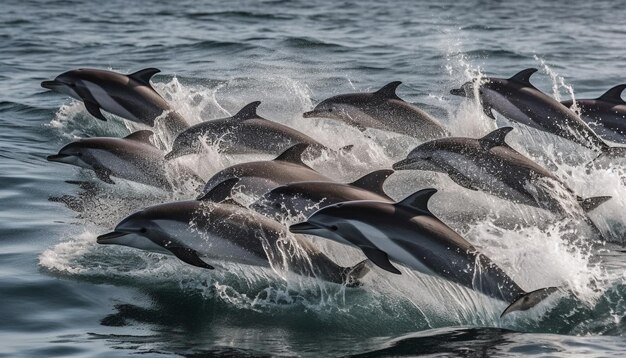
221 192
614 94
374 181
495 138
293 154
141 136
523 76
388 91
418 201
144 76
248 111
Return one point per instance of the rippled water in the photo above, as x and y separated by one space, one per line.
63 295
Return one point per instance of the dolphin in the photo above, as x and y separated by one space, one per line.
382 110
605 114
258 178
489 164
128 96
133 158
306 197
408 233
219 229
518 100
244 133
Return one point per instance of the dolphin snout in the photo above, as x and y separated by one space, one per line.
458 92
302 228
309 114
404 164
50 84
107 238
56 157
172 155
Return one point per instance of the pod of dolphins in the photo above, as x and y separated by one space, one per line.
215 227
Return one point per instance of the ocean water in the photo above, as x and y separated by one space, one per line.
63 295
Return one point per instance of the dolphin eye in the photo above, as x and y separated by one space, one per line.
330 110
143 230
333 228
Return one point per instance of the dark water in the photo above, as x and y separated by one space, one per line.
62 295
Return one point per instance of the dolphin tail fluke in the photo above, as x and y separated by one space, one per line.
589 204
352 275
529 300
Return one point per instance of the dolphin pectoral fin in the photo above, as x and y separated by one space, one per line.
94 110
189 256
104 175
380 259
462 181
487 110
589 204
352 275
357 125
529 300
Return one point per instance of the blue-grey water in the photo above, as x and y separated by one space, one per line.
63 295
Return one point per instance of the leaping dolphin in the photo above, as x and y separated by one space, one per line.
518 100
244 133
606 115
133 158
304 198
128 96
219 229
382 110
489 164
408 233
257 178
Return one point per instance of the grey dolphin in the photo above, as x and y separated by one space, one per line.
194 231
132 157
306 197
518 100
258 178
606 115
489 164
245 132
408 233
128 96
382 110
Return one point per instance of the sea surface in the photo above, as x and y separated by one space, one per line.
63 295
